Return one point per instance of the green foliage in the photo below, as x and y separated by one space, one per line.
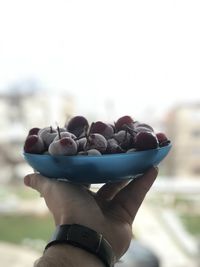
192 223
16 228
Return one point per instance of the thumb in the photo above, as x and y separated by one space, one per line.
37 182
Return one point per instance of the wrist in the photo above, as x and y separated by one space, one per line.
84 238
65 255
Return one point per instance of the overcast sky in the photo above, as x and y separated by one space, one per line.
138 54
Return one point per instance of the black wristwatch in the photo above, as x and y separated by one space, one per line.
85 238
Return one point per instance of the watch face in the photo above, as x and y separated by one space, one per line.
84 236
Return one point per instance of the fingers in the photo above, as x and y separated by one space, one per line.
37 182
127 202
108 191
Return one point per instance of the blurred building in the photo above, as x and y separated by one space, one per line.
183 128
21 110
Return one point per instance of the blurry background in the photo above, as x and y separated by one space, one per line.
103 60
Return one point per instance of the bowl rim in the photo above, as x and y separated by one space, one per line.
138 152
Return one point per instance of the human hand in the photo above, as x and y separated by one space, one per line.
110 211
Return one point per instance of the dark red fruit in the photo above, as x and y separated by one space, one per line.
77 125
123 122
102 128
138 124
33 144
113 147
123 138
96 141
146 141
66 141
34 131
162 139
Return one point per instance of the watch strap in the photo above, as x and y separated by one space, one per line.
85 238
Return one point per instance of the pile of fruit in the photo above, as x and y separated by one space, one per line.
78 137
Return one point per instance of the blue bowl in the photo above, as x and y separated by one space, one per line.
97 169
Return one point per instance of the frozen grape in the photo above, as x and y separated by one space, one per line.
47 134
34 131
145 141
90 152
162 139
77 125
96 141
113 147
141 129
102 128
64 134
80 138
123 138
63 146
123 122
81 143
33 144
138 124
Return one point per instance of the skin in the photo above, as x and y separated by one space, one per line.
110 211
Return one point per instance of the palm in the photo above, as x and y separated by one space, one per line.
110 211
93 210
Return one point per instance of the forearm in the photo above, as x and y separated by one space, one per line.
68 256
